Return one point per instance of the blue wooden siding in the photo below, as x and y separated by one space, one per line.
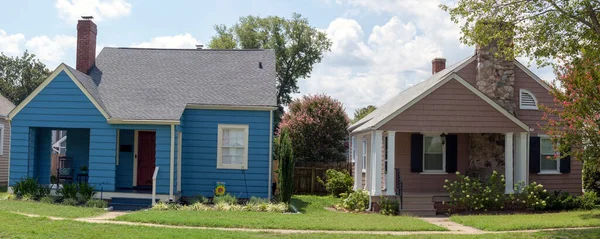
125 167
199 148
43 152
78 147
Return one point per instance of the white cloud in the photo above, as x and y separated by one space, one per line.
72 10
9 44
178 41
51 50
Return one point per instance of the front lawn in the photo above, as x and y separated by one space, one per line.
313 217
51 210
18 226
531 221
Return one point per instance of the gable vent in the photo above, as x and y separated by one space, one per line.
527 100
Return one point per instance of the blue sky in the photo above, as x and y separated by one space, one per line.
380 47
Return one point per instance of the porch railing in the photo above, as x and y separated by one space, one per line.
154 185
399 188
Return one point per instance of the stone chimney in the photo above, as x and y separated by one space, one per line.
86 44
495 72
437 65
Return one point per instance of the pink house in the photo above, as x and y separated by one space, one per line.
478 115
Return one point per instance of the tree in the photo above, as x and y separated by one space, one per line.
544 30
284 153
19 76
297 45
318 128
362 112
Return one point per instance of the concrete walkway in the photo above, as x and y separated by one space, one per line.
454 228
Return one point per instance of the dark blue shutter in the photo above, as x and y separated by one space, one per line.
451 153
565 164
534 154
416 153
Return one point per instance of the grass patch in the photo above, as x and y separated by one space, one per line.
49 210
531 221
18 226
313 217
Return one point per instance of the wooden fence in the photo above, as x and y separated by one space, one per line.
306 173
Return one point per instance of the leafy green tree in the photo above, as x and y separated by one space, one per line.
297 45
284 153
19 76
318 126
362 112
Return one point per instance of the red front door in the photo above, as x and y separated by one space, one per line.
146 157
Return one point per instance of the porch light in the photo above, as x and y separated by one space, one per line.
443 136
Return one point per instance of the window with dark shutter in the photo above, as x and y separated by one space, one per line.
416 153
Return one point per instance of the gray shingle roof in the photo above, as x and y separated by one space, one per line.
157 84
88 83
403 98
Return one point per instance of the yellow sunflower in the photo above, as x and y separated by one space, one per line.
220 190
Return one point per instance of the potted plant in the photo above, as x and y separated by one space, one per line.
84 169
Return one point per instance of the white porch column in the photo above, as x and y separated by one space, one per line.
521 157
376 172
508 162
358 165
390 181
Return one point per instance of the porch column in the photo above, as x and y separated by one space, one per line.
390 182
508 162
376 138
358 165
521 157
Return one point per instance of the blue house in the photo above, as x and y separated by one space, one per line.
180 119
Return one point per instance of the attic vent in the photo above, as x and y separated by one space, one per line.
527 100
260 65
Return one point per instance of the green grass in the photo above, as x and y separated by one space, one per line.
49 210
531 221
18 226
313 217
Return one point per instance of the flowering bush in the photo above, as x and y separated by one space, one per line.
338 182
318 127
466 193
356 201
530 197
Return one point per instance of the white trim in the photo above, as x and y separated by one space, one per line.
521 152
143 122
135 157
549 172
269 187
179 142
58 70
532 75
527 107
508 162
376 161
433 173
230 107
353 149
220 165
364 155
118 146
172 162
2 139
390 184
443 170
557 171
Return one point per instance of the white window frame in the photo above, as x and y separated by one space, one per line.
527 107
353 149
220 165
1 139
542 171
443 170
364 155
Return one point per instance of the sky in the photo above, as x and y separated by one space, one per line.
380 47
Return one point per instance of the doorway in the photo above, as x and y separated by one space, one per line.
145 157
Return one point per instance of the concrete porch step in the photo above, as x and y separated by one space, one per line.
419 212
130 204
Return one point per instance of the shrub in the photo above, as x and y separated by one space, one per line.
27 198
589 200
70 202
27 186
562 201
198 206
160 206
11 197
96 203
198 199
466 193
284 153
389 206
69 191
227 198
279 207
43 191
257 200
530 197
47 199
338 182
356 201
86 192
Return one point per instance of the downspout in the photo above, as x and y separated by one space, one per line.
269 183
171 166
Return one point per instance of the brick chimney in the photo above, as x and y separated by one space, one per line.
437 65
496 72
86 44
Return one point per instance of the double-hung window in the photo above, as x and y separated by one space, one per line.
364 155
434 154
548 164
232 151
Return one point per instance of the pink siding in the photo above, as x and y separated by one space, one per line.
5 152
531 117
452 108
